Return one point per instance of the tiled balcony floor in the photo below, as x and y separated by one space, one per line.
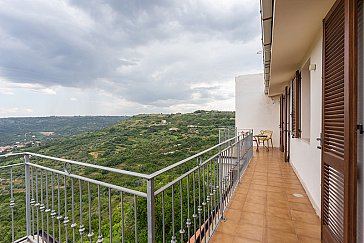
263 208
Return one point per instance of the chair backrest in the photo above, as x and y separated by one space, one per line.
268 133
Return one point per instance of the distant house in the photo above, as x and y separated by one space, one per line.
163 122
3 148
174 129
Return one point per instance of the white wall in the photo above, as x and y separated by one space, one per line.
305 102
253 108
305 157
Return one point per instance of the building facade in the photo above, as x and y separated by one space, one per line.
313 64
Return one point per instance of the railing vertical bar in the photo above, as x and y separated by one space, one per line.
173 228
110 214
12 205
82 227
59 217
227 177
217 192
238 156
73 223
163 219
188 222
221 186
213 201
90 233
181 231
233 177
27 196
214 190
53 212
232 167
100 237
208 198
194 205
41 203
223 163
47 204
199 208
37 201
204 199
136 218
230 173
151 210
122 217
65 219
32 202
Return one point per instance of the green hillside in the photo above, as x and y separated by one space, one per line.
18 129
143 143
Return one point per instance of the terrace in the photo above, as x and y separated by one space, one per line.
269 205
223 194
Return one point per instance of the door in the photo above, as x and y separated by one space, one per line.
339 140
360 146
281 123
287 134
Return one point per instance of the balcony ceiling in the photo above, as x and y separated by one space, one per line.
296 25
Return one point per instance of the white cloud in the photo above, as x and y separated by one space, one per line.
15 111
9 88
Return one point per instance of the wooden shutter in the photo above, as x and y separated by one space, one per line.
296 105
286 124
281 123
338 186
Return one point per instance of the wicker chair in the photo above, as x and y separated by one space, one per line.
268 134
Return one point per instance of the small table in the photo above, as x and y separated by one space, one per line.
256 139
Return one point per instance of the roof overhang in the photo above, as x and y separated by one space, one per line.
289 28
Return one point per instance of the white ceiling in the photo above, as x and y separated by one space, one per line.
296 25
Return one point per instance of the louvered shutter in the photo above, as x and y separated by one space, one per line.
281 123
286 124
338 187
296 105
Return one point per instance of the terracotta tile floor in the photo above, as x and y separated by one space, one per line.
263 208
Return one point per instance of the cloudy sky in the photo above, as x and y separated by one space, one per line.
96 57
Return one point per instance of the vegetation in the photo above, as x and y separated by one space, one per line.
17 129
142 143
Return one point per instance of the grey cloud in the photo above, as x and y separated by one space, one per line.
149 52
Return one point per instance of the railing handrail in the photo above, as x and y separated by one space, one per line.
124 172
161 171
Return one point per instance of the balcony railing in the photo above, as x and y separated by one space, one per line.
47 199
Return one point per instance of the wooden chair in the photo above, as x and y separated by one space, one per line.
268 134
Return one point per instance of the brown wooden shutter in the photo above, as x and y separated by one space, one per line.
286 128
281 123
338 186
296 105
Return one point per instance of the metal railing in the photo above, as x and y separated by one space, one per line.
59 200
227 133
